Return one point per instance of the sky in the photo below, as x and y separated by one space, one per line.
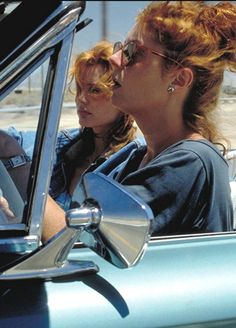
120 18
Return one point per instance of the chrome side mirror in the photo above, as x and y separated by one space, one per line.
118 221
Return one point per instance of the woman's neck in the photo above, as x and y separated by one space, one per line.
164 125
164 135
100 143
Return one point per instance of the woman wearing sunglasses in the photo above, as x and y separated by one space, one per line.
168 75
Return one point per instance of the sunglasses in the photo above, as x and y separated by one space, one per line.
132 49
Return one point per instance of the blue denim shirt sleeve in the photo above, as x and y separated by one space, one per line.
57 189
25 138
58 180
116 162
65 137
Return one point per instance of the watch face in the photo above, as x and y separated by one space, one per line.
15 161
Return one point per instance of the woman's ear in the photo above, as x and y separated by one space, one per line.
183 79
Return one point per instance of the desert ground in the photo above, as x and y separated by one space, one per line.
25 114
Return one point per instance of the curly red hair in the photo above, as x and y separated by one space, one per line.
202 37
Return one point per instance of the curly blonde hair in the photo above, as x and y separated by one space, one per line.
202 37
123 130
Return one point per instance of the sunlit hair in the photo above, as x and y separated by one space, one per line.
123 130
202 37
97 55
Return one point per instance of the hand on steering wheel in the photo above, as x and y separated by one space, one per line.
4 206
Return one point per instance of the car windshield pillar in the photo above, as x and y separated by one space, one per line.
46 36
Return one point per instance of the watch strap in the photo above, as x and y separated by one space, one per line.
15 161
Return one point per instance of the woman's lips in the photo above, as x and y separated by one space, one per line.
83 113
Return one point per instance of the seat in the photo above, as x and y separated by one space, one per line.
231 160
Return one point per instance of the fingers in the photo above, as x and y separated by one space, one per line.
4 206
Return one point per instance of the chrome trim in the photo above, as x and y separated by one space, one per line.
56 42
121 235
201 237
18 245
12 226
86 216
121 231
50 261
52 103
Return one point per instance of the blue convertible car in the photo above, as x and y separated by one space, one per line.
125 278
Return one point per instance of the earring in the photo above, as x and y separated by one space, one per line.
171 88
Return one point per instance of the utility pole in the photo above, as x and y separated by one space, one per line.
104 19
29 84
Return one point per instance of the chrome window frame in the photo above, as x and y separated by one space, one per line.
54 44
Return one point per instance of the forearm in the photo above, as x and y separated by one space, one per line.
54 219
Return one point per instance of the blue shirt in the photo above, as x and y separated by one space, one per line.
186 186
61 173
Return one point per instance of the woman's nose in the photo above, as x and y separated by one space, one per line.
81 97
116 59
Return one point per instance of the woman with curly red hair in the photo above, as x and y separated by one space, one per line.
168 75
104 129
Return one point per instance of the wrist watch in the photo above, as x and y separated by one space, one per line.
15 161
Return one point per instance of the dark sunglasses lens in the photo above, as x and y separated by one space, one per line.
117 47
129 53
